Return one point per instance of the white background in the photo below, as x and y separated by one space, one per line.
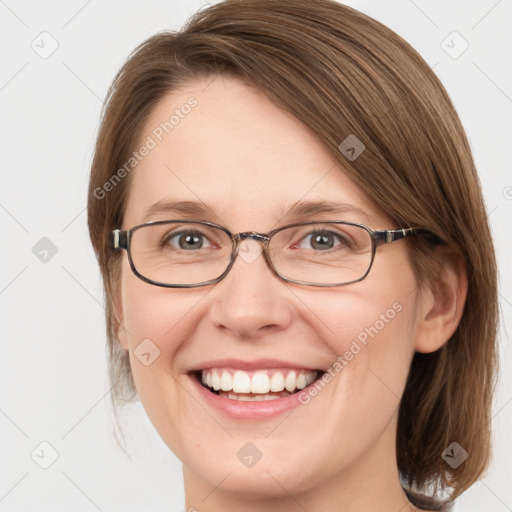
53 359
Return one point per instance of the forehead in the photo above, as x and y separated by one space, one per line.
222 143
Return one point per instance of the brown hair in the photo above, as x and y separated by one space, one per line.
339 72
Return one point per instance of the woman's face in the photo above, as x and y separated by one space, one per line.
249 162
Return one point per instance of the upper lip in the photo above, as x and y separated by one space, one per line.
254 364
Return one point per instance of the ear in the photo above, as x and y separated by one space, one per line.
442 304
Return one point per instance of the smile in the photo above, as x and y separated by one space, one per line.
258 385
252 389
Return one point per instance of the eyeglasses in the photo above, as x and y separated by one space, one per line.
191 253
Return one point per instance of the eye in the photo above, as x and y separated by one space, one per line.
186 240
323 240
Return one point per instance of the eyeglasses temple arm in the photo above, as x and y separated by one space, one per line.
118 239
387 236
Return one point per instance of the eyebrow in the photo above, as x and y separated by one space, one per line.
296 210
311 208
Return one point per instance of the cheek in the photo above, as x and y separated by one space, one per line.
369 331
155 325
152 312
370 334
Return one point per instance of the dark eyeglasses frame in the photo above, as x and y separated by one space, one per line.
122 240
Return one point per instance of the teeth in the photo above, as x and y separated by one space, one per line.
310 377
241 382
260 383
253 398
290 381
257 382
215 381
277 382
226 382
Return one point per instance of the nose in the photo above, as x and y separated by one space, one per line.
251 301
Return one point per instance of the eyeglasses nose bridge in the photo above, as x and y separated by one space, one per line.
261 238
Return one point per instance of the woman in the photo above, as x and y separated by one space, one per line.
299 274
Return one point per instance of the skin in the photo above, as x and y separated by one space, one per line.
240 154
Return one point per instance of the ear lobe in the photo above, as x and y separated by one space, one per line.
442 304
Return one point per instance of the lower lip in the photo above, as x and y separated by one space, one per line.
244 410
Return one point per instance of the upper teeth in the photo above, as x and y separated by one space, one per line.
260 381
